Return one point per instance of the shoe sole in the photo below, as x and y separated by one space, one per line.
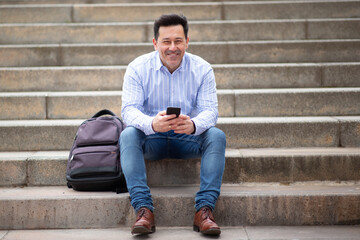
211 231
140 230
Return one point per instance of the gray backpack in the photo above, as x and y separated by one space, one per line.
94 159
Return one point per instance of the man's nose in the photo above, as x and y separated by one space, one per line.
172 46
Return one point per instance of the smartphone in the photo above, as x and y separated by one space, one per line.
173 110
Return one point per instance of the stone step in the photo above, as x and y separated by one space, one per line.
234 30
228 76
291 102
232 103
67 78
135 12
37 2
214 52
181 233
58 105
238 205
284 165
241 132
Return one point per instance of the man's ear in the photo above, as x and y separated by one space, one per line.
187 42
155 44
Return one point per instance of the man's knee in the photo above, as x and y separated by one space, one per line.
128 131
215 134
130 134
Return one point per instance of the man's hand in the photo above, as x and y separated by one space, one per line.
182 124
165 123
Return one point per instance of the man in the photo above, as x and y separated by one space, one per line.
171 77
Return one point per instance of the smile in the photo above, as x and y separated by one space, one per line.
176 53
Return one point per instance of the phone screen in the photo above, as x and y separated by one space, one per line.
173 110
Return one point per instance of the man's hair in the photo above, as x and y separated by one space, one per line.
170 20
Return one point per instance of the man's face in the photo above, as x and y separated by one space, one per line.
171 45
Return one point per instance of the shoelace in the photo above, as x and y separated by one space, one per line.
141 213
206 213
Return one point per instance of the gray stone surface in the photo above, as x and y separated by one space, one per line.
226 102
180 233
305 232
243 76
290 9
72 104
242 165
13 168
47 169
23 14
287 51
55 211
344 74
297 102
194 11
350 131
280 132
295 51
102 54
29 55
291 165
3 233
239 103
43 135
332 29
262 204
22 106
61 78
24 2
33 135
145 12
72 33
228 76
234 30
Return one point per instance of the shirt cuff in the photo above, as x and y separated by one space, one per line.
194 128
148 130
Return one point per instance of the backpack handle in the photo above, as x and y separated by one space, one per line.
104 112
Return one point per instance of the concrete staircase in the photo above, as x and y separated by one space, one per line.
289 102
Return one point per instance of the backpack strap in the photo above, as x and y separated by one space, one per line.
104 112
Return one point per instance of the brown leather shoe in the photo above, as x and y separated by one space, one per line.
204 222
144 223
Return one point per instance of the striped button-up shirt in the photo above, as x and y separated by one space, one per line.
150 88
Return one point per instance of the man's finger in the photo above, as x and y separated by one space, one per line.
184 117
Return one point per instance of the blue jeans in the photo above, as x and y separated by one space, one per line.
136 146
